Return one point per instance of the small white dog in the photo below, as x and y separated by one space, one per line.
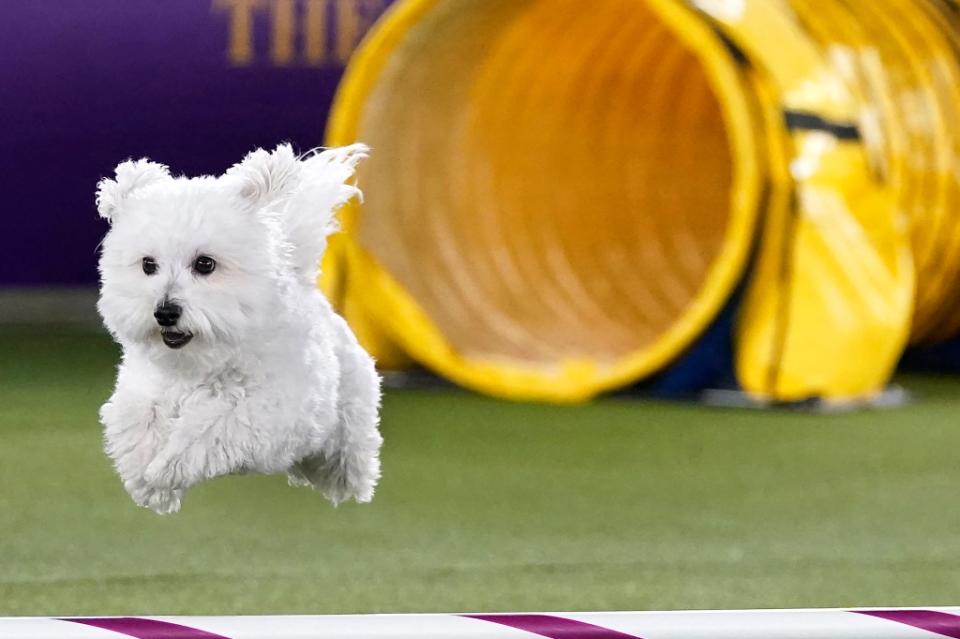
233 361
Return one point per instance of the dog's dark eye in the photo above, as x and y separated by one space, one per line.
204 265
149 265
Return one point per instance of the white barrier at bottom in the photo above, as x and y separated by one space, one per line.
899 623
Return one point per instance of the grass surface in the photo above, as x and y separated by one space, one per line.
489 506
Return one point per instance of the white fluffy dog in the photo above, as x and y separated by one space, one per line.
233 361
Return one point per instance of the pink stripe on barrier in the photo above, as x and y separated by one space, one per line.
941 623
554 627
146 628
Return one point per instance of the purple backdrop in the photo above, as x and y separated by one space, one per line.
191 83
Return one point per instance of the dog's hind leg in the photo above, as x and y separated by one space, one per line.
348 465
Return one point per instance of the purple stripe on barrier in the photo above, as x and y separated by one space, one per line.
554 627
941 623
146 628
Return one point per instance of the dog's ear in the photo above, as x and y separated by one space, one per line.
265 177
128 177
309 215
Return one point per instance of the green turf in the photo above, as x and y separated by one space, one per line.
487 505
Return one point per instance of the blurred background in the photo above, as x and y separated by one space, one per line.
664 292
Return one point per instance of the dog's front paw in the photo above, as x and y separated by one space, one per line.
162 501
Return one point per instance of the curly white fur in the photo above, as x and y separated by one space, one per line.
272 380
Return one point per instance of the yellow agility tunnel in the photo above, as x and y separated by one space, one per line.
565 197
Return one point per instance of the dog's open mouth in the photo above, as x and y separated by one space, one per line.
176 339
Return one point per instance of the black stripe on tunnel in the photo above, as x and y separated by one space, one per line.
804 121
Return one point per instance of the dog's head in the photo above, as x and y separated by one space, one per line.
201 262
189 263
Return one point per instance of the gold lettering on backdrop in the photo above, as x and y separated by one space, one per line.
240 44
311 32
315 32
282 50
348 28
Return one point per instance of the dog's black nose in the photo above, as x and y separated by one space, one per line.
167 314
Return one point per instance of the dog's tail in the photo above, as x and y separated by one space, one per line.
310 212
